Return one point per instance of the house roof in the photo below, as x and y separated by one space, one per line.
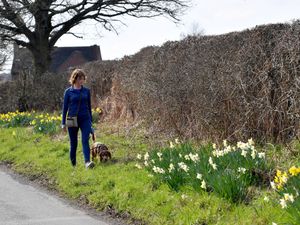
62 58
62 54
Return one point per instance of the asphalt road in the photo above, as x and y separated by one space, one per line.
23 204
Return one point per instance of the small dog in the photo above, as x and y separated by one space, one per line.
99 150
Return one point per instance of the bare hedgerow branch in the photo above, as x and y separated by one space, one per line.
233 86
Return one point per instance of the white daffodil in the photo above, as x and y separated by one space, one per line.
177 141
218 154
242 170
297 193
227 149
183 166
244 153
146 156
199 176
284 179
194 157
210 161
138 166
157 169
171 144
266 199
273 185
203 184
162 171
159 154
214 166
183 196
171 167
250 141
261 155
253 154
239 144
187 157
243 146
288 197
283 203
139 156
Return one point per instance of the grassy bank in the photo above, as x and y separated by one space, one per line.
123 187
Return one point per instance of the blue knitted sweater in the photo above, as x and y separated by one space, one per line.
71 101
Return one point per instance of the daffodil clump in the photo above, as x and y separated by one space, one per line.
287 185
46 123
173 165
41 123
16 119
228 170
96 114
236 168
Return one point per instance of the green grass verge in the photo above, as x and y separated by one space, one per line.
119 184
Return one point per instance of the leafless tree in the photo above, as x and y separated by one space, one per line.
3 54
38 24
194 30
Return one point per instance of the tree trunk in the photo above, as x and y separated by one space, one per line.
41 59
41 48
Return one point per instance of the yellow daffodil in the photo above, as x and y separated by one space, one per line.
280 179
294 171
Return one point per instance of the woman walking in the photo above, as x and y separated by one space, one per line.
77 108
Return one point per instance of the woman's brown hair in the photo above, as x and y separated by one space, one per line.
77 74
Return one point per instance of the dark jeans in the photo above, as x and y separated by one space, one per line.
84 124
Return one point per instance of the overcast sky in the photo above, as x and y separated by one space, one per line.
212 16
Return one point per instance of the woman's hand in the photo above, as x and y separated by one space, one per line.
64 128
